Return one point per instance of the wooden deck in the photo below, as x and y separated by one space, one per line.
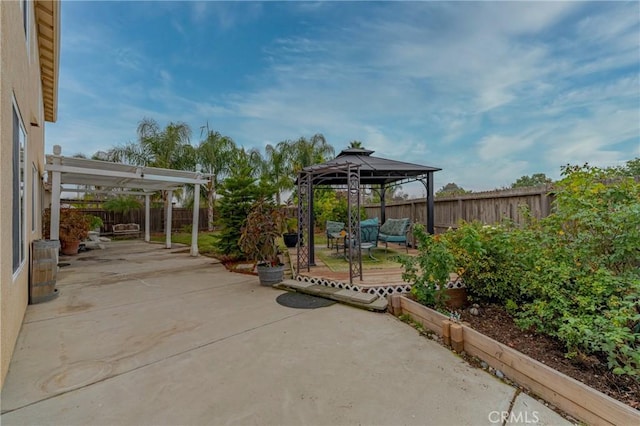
379 281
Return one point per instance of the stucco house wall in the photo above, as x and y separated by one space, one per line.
21 89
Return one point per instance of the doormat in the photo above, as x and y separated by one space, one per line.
302 301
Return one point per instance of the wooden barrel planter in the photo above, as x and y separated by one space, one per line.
44 271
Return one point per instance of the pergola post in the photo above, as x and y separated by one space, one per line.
147 220
196 217
167 225
54 224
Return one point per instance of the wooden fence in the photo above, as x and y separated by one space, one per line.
180 217
486 207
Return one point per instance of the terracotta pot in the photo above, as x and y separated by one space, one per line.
70 247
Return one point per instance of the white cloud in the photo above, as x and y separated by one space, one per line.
487 91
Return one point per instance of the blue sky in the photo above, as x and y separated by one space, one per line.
488 91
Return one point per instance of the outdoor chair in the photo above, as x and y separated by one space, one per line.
394 231
333 230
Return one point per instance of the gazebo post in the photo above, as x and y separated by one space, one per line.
430 208
304 221
383 191
312 225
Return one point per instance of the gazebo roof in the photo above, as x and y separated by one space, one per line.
373 170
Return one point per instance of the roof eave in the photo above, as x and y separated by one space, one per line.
47 13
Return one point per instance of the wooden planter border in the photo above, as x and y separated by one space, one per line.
566 393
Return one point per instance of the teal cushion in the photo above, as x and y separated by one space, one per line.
394 227
333 227
370 222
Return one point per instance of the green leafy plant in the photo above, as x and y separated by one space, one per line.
584 287
121 204
429 271
292 225
95 222
238 193
574 275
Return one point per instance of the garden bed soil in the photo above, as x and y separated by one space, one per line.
493 321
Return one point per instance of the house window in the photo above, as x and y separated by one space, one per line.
18 201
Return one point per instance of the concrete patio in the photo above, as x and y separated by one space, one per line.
142 335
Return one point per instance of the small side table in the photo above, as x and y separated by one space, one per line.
337 236
363 246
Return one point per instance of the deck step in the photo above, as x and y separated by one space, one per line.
354 298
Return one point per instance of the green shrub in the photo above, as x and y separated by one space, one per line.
584 286
574 275
428 272
122 204
239 191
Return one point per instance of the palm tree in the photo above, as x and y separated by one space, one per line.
215 154
167 148
355 144
306 153
278 167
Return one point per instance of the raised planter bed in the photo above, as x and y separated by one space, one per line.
573 397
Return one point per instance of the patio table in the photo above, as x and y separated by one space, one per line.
363 246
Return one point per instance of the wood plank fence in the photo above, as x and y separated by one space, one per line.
486 207
180 217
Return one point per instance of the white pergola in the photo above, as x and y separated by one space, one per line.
135 180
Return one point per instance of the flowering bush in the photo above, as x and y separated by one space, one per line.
574 275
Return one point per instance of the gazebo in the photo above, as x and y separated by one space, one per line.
352 169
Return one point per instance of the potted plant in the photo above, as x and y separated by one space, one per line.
95 223
258 240
74 228
291 236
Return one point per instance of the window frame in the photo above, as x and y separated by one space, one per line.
35 190
19 188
